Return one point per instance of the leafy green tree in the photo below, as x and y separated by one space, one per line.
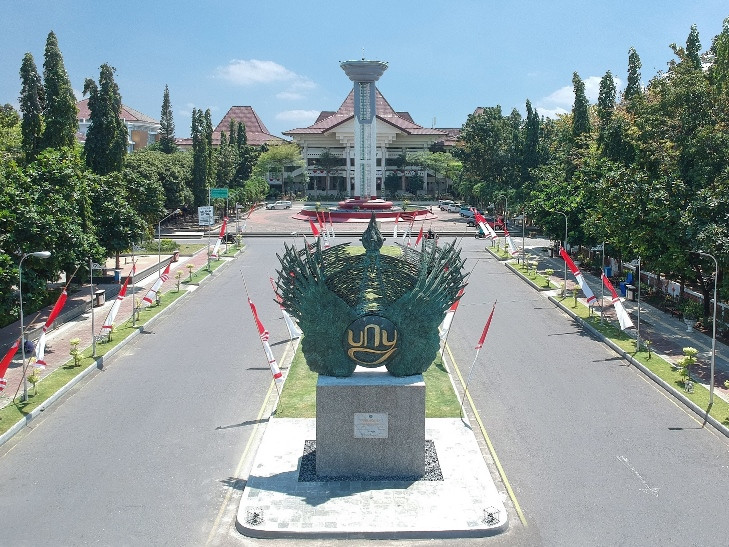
580 110
10 137
167 125
392 183
633 88
209 149
276 159
61 114
328 162
118 225
32 104
720 69
172 171
530 153
106 139
487 146
414 184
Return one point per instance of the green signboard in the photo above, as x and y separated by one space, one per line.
216 193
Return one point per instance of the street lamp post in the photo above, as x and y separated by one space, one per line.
159 237
93 266
37 254
564 286
713 335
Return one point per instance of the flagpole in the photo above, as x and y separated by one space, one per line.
478 349
248 296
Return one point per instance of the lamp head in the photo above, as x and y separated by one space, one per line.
40 254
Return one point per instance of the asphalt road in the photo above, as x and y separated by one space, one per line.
146 451
596 454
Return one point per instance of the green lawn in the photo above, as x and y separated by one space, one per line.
298 399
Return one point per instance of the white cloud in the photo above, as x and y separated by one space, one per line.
561 100
299 116
289 96
252 72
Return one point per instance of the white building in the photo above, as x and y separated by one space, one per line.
142 130
397 134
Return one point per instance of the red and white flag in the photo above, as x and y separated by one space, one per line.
620 311
40 347
513 249
578 276
314 230
220 238
331 226
485 329
294 330
394 230
5 363
486 228
448 319
408 232
420 236
263 333
109 321
152 294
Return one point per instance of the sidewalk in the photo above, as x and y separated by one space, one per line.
79 324
667 334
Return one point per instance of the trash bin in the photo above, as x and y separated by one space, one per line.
608 271
622 288
629 278
99 298
630 292
117 276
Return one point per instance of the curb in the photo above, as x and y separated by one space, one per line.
99 364
662 383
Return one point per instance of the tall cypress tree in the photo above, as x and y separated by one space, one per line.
199 158
32 102
693 47
106 139
208 133
61 114
530 156
605 104
633 89
167 124
580 109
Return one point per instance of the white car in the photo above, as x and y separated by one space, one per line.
279 205
454 208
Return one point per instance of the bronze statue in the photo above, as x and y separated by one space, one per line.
369 309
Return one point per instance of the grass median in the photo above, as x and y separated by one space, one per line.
298 398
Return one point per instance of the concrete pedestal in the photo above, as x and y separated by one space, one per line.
371 424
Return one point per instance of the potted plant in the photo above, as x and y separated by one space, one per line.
75 352
685 363
34 378
691 312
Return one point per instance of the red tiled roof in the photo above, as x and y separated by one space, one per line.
384 112
127 113
256 132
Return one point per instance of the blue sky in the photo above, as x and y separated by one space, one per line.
282 58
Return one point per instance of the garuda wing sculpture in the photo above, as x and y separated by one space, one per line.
369 309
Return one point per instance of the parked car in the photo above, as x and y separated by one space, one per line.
279 205
454 207
472 221
444 203
465 211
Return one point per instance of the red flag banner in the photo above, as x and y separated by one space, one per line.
486 328
263 333
578 276
420 236
623 316
151 295
109 321
314 229
5 363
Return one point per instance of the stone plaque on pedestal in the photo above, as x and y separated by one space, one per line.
370 424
